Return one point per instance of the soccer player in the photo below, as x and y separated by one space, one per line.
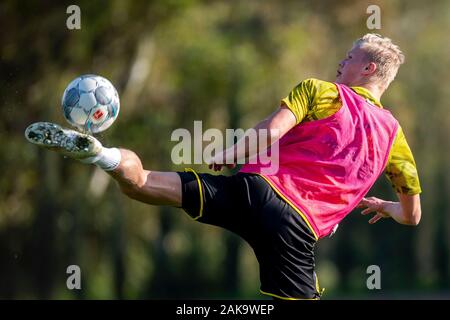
335 139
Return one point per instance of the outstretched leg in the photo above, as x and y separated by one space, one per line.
152 187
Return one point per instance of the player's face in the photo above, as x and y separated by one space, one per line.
351 69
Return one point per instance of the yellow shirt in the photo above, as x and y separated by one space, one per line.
315 99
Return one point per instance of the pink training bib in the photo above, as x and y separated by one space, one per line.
327 166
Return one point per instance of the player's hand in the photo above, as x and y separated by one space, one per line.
376 205
218 167
218 162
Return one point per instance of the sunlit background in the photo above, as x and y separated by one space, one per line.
227 63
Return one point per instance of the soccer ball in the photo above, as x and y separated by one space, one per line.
90 103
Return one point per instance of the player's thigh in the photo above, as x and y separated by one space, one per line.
285 252
159 188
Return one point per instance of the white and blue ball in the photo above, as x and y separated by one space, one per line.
90 103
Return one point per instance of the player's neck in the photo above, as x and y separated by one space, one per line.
374 89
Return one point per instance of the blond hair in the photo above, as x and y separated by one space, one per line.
386 55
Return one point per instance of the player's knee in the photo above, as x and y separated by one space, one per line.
129 158
131 172
130 163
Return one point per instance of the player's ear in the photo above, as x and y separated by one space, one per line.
369 69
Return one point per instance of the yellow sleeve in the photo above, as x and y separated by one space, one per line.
401 168
301 98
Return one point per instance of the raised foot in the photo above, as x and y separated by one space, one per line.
71 143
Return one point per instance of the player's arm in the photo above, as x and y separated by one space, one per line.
291 112
402 173
272 129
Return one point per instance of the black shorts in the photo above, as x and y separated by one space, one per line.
246 205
